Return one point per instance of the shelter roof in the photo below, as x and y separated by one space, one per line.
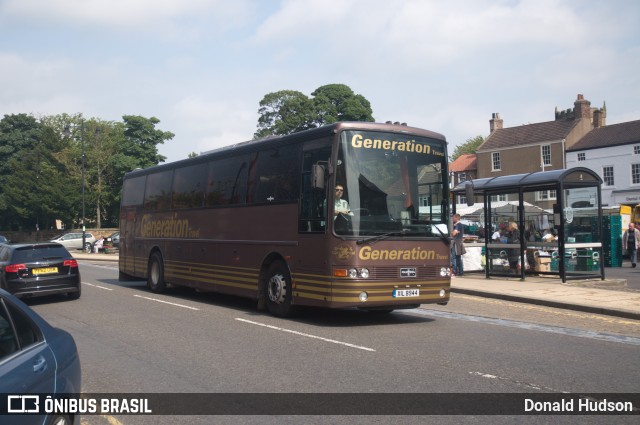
530 180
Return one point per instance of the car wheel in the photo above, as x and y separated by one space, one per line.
75 295
87 247
60 420
155 274
279 292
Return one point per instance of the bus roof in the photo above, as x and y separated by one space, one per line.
275 141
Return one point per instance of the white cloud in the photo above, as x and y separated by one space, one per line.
161 16
202 66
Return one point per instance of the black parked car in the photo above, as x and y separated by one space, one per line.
114 239
36 269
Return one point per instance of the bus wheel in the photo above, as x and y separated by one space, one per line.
155 275
279 292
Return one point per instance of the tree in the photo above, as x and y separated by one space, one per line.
468 147
142 140
19 135
284 112
289 111
337 102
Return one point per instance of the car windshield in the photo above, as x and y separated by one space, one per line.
393 184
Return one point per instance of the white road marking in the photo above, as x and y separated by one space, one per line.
333 341
580 333
167 302
527 385
98 286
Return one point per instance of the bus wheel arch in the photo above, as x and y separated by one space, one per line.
155 272
276 287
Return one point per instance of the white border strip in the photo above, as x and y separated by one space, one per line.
306 335
97 286
167 302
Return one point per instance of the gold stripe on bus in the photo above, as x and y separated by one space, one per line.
209 273
208 276
218 282
214 268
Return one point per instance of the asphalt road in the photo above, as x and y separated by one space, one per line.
134 341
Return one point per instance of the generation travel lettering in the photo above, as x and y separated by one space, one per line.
358 141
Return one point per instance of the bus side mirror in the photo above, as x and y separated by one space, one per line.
468 193
318 176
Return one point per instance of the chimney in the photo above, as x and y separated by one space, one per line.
581 108
600 116
495 123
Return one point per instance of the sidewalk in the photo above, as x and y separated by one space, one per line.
611 297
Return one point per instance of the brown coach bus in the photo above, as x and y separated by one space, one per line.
263 219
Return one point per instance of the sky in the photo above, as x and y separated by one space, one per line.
203 66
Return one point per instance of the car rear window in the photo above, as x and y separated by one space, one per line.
36 253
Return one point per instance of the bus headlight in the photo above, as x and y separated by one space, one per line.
445 271
363 296
443 293
353 273
364 273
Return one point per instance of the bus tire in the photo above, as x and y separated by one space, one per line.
155 274
279 291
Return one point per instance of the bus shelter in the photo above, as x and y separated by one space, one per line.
562 236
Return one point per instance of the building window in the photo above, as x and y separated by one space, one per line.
462 177
498 198
582 156
546 195
636 150
607 176
546 155
635 173
462 199
495 161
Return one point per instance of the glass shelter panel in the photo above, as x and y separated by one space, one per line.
503 249
583 245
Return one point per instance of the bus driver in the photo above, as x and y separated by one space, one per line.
341 206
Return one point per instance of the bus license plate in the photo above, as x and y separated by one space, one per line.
402 293
45 270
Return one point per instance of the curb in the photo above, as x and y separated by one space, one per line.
548 303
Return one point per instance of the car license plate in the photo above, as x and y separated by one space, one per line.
402 293
45 270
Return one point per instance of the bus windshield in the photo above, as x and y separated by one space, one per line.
393 185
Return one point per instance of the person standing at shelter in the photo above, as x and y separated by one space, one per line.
631 242
458 248
513 237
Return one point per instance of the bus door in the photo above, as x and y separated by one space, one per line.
313 194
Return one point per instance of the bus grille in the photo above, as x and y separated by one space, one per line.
395 272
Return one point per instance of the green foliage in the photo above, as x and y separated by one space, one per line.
142 138
284 112
337 102
42 172
468 147
289 111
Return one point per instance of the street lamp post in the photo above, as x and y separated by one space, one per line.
84 234
67 132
